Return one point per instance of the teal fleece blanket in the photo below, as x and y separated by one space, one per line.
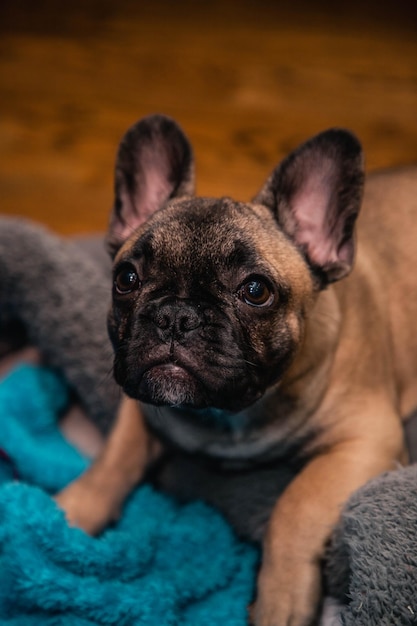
161 564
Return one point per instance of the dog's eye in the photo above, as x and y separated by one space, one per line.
256 292
126 280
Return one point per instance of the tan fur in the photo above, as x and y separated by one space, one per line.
355 379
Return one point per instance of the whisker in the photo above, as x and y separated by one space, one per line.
250 363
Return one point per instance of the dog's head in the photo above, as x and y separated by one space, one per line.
210 296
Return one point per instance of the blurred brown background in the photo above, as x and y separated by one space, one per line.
247 81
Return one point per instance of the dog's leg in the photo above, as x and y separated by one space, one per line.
289 583
94 500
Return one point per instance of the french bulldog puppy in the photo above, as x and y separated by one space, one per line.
239 347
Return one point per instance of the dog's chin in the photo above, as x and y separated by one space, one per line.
171 385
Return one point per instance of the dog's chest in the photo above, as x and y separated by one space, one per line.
239 463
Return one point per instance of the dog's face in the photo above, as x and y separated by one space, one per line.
210 296
209 303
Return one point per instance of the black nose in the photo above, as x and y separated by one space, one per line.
176 319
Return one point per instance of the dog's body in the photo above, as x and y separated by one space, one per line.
229 326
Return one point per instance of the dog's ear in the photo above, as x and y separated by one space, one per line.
315 194
154 164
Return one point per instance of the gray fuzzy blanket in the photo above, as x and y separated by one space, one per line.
372 562
54 293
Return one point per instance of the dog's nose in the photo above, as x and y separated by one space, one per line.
176 319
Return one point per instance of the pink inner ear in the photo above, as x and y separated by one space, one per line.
156 190
122 227
154 186
314 206
153 190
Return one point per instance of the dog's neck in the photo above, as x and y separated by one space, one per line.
308 374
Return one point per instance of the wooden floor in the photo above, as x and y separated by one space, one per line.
247 81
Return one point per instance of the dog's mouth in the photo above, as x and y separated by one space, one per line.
184 380
170 384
